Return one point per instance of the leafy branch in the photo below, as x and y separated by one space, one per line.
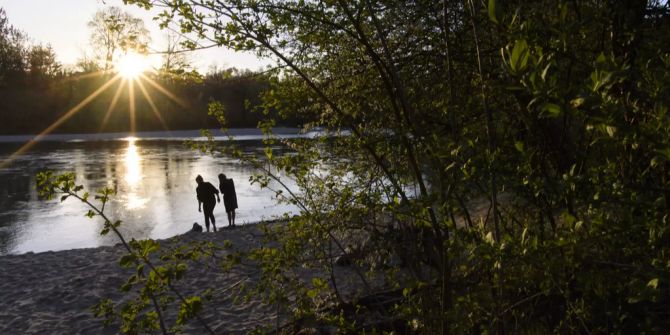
138 255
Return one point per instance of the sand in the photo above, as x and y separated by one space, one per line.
52 292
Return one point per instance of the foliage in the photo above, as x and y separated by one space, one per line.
43 66
12 45
485 169
176 66
152 282
115 32
553 114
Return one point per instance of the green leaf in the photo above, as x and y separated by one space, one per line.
318 282
127 260
653 283
575 103
519 56
312 293
125 287
492 11
180 269
134 279
569 218
544 72
489 238
188 309
552 110
664 153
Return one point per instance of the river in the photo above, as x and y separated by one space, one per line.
153 174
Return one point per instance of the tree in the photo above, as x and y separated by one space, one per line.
549 115
114 31
12 50
42 64
87 64
176 65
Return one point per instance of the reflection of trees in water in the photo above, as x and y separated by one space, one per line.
13 193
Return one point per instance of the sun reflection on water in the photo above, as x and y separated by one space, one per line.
133 167
133 175
133 201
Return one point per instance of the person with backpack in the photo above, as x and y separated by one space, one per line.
227 188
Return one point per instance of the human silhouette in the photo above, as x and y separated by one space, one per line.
227 188
206 192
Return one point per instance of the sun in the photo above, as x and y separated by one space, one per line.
131 65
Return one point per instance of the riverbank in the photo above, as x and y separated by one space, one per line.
52 292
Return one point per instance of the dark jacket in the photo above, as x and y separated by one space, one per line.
206 193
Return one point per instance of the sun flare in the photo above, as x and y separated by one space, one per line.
132 65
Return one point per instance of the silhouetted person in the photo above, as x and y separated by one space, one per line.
206 192
227 188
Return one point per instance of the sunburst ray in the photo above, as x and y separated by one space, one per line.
164 91
58 122
81 76
131 106
115 99
152 104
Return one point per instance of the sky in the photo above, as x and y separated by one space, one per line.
62 24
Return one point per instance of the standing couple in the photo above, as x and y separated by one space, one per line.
206 192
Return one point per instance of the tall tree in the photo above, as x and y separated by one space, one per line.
42 64
12 51
114 32
510 158
176 65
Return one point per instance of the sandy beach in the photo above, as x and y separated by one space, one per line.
52 292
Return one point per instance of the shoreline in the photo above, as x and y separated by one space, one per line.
160 240
53 292
239 134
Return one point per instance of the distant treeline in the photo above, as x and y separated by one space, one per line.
30 107
36 91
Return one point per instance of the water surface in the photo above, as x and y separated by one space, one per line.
155 183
